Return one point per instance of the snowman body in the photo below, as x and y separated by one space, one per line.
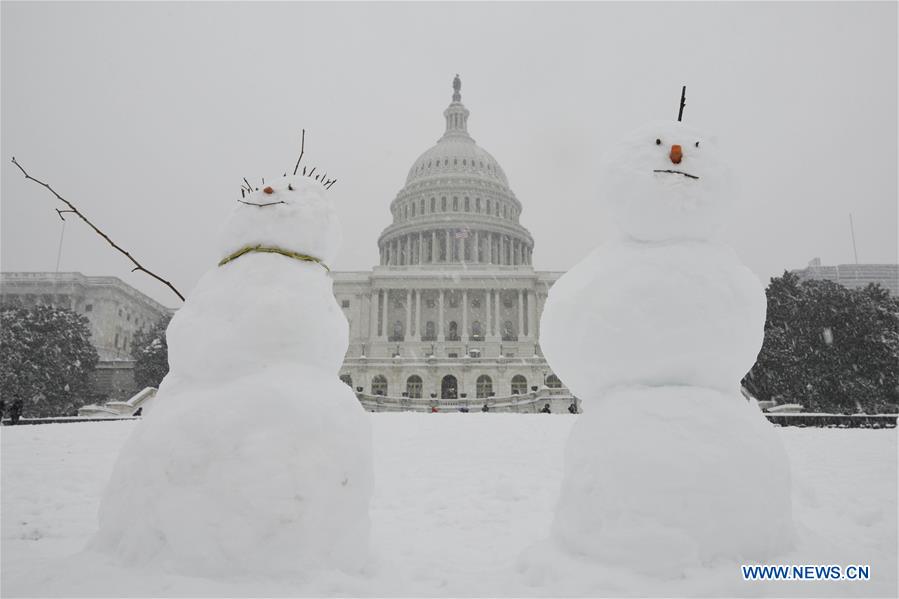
669 467
254 458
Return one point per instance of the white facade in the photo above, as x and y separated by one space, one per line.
451 314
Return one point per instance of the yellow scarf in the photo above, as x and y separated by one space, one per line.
272 250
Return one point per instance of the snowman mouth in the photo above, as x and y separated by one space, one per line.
262 205
676 172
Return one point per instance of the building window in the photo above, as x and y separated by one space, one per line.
117 341
433 204
429 331
455 204
443 204
379 385
448 387
508 331
519 385
476 332
89 308
477 205
397 331
467 205
488 206
430 303
413 386
484 386
413 210
453 331
553 382
476 302
344 303
347 379
421 205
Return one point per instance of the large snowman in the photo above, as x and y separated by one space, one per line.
254 458
669 466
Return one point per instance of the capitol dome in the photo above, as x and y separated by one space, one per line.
456 206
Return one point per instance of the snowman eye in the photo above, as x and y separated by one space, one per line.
697 144
658 142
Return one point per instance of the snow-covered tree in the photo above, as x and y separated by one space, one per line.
151 354
829 348
46 358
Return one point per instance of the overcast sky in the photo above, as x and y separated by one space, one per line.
148 115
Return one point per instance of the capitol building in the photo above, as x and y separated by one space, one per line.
449 319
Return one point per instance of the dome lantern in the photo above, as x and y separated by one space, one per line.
456 114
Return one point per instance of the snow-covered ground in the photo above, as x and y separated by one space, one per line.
458 499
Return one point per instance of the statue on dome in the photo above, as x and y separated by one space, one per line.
457 86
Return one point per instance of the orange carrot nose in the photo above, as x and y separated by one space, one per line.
270 190
676 154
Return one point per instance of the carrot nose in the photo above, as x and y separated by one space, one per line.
270 190
676 154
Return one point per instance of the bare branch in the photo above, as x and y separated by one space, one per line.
75 211
261 205
302 149
61 212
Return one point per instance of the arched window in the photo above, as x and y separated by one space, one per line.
413 209
455 204
453 331
508 331
484 386
489 203
397 331
443 204
553 382
477 205
433 204
476 331
449 387
519 385
413 386
379 385
467 205
430 335
421 205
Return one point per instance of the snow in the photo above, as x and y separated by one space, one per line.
671 468
254 458
457 498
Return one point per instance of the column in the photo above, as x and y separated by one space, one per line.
433 246
532 314
520 313
374 297
465 315
418 313
497 323
384 314
408 331
488 307
440 336
408 239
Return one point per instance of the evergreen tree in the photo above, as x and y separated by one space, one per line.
46 358
151 355
829 348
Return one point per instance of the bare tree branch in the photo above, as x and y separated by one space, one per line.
302 149
74 210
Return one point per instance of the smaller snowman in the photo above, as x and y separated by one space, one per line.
669 467
254 458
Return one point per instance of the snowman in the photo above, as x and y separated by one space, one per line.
669 467
254 459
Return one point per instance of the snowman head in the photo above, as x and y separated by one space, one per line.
664 182
291 213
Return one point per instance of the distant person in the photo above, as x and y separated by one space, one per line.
546 409
434 409
464 409
485 408
573 408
